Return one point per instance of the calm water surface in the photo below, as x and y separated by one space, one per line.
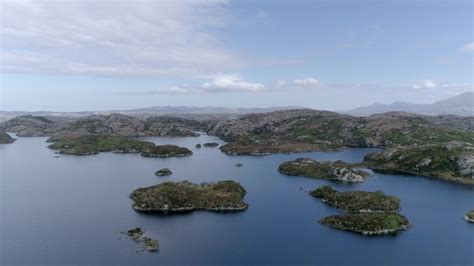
72 209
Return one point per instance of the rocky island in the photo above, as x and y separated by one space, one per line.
5 138
138 235
163 172
469 216
211 145
368 223
93 144
369 213
357 201
187 196
339 170
452 161
164 151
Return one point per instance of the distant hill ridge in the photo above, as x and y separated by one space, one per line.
462 105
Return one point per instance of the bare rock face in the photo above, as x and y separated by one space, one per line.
115 124
35 126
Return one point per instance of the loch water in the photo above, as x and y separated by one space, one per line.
71 210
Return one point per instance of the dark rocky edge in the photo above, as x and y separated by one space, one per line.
93 144
211 145
452 161
469 216
5 138
239 165
339 170
198 146
138 235
310 130
357 201
187 196
368 223
164 151
164 172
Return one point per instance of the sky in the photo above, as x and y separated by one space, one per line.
332 55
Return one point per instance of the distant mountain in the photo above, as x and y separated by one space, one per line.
462 105
191 112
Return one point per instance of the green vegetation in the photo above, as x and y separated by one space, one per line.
93 144
453 161
339 170
164 151
186 196
358 201
368 223
163 172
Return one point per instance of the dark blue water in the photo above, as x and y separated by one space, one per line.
72 209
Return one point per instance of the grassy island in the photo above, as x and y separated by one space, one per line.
164 151
187 196
163 172
368 223
339 170
358 201
93 144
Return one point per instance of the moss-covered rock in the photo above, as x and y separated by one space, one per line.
368 223
358 201
163 172
469 216
339 170
93 144
452 161
138 235
187 196
164 151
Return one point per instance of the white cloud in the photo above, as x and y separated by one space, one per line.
151 38
425 84
307 83
231 83
468 47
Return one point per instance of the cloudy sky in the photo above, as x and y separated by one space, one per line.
335 55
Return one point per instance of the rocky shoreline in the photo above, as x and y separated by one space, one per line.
138 235
165 151
5 138
469 216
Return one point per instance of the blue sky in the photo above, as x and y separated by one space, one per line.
335 55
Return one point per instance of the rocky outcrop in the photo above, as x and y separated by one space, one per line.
35 126
452 161
368 223
138 235
339 170
357 201
164 151
5 138
163 172
469 216
210 144
187 196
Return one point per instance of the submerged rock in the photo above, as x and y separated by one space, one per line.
164 151
339 170
187 196
163 172
239 165
469 216
357 201
368 223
